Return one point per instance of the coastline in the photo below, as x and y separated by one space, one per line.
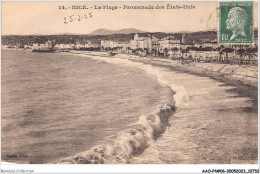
238 123
170 148
246 74
233 75
222 119
246 86
243 77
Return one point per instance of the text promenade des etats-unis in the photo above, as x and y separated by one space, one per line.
126 7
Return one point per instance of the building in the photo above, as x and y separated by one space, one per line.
185 46
27 46
63 47
47 47
90 44
79 46
204 55
106 44
116 45
155 43
112 44
213 44
141 41
169 42
144 41
183 39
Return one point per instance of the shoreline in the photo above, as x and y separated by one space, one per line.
245 86
246 74
168 145
228 71
229 74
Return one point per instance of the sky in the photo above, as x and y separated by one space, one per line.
28 18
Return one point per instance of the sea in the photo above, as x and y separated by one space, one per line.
57 105
83 108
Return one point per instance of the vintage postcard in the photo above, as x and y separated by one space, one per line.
126 82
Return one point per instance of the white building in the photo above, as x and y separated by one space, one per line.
139 41
112 44
210 44
91 45
204 55
169 43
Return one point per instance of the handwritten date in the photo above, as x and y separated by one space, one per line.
73 18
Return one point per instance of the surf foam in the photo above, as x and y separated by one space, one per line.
129 142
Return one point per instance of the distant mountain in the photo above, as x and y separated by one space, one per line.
109 32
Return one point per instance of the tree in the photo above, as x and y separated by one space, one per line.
156 51
127 50
250 52
174 49
219 49
241 52
153 52
227 51
165 52
185 51
208 49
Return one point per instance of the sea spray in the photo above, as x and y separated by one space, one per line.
129 142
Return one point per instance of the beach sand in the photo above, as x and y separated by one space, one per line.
210 138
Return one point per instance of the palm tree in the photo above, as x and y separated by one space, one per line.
153 52
127 50
219 49
241 52
165 52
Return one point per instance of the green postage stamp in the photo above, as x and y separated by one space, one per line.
236 22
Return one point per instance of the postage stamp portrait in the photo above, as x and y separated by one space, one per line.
236 22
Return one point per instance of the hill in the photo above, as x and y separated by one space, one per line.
109 32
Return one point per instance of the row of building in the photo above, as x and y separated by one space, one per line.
77 46
205 50
148 42
140 41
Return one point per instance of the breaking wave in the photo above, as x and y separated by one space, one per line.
129 142
136 139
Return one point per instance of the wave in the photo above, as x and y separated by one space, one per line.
149 127
129 142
